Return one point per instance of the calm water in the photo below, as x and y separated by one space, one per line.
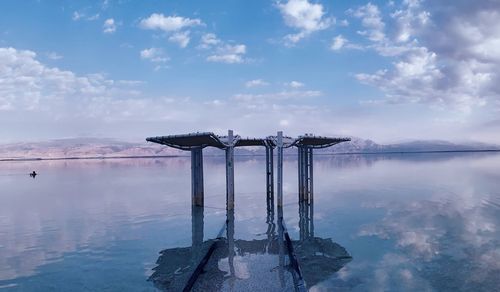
410 222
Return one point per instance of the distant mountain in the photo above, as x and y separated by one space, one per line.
97 147
358 145
82 147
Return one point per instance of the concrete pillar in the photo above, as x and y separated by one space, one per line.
306 220
311 193
270 222
280 168
230 241
197 225
281 238
311 219
197 250
305 173
197 197
299 171
269 173
230 171
301 221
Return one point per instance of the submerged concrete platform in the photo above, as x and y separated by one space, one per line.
271 261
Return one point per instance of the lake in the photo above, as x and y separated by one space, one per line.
402 222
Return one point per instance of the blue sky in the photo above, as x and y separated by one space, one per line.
384 70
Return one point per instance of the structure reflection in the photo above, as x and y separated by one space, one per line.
175 266
237 264
319 258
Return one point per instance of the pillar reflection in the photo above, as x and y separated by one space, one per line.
276 261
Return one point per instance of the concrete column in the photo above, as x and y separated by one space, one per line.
311 219
271 177
303 171
197 225
230 171
303 191
281 238
270 173
280 168
270 222
299 171
301 221
230 241
307 218
197 251
311 193
197 197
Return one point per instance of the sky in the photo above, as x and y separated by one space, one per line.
389 71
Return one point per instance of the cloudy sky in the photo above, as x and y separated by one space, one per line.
385 70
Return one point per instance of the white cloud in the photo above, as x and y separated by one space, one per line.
372 21
158 21
409 20
28 85
93 17
105 4
180 38
256 83
443 54
221 51
209 40
76 15
344 22
284 123
295 84
304 16
277 96
339 42
230 54
109 26
82 16
155 55
61 103
54 56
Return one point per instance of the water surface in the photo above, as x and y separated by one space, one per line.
421 222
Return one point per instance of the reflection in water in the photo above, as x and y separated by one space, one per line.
428 232
319 258
412 222
175 266
248 265
238 264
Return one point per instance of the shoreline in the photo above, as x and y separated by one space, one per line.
222 155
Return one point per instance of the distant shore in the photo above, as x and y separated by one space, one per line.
256 154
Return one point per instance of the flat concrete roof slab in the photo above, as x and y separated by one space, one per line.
318 141
189 141
206 139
